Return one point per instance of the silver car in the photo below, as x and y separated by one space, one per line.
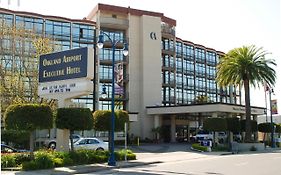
90 143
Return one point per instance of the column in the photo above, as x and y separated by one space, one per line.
255 133
157 123
173 128
214 114
188 132
62 138
243 117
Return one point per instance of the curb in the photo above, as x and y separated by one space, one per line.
82 168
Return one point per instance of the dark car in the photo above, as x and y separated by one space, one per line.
9 149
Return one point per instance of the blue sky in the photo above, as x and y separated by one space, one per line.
219 24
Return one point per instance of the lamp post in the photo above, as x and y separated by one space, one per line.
112 161
271 119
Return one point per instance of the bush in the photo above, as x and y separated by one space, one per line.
220 148
22 157
120 155
8 160
265 127
215 124
32 165
20 139
197 146
49 159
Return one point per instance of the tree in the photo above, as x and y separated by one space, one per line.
253 123
74 119
233 124
28 117
102 120
215 124
265 127
246 66
122 117
20 49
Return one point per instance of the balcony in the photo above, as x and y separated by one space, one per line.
109 22
167 31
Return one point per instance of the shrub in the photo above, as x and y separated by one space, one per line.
20 139
265 127
58 162
22 157
49 159
120 155
215 124
8 160
44 160
29 165
79 157
254 125
197 146
233 124
220 148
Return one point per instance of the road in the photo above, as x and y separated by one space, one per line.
182 163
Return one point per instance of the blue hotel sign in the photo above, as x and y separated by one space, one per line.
63 65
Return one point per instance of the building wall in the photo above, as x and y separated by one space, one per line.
145 70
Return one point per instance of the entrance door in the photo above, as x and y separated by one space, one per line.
181 133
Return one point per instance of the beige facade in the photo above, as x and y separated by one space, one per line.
146 33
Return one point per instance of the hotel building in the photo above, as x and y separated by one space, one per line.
166 81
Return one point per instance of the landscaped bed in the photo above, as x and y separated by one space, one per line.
45 159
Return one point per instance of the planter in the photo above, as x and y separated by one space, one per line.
251 147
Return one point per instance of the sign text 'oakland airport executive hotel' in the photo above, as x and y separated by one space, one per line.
63 65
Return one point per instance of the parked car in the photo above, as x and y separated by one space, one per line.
52 143
206 135
9 149
90 143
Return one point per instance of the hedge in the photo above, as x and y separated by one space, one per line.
197 146
28 117
102 120
254 125
265 127
20 139
74 119
215 124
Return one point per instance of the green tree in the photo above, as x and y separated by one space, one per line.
246 66
74 119
253 126
233 124
19 63
215 124
102 120
265 127
28 117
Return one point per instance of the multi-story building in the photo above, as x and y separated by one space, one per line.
167 81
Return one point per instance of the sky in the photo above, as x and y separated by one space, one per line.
218 24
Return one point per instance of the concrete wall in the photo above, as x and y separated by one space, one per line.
145 70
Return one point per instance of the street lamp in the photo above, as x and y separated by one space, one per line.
270 90
111 161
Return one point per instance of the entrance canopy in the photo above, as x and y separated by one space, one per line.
203 108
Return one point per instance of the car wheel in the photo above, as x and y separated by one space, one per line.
99 149
52 145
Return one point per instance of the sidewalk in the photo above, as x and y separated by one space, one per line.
146 154
81 168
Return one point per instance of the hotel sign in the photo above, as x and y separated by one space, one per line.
65 65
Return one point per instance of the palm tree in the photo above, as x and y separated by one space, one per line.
246 66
